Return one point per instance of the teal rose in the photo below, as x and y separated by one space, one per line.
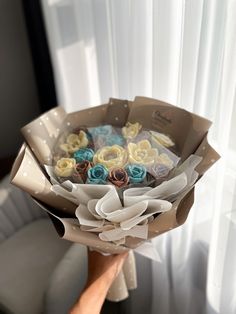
115 139
97 175
83 154
136 173
103 130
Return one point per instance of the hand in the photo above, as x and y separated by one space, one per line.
102 270
106 268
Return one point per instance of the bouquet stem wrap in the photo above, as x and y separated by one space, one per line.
126 280
190 134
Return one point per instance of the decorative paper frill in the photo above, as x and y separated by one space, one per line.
100 210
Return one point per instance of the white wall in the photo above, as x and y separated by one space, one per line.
18 94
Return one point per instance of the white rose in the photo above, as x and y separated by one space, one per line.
65 167
74 142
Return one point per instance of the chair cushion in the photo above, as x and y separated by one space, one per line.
27 260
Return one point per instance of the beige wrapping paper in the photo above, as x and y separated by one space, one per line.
188 130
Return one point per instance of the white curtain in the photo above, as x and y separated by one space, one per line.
182 52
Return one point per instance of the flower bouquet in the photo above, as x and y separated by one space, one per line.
113 177
120 156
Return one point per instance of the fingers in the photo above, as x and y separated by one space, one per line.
119 260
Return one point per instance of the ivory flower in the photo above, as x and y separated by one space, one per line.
65 167
74 142
131 130
162 139
142 153
165 160
113 156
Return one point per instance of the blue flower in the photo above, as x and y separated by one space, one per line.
97 175
136 173
83 154
103 130
115 139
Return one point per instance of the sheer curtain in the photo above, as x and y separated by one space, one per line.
182 52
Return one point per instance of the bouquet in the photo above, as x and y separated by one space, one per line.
115 176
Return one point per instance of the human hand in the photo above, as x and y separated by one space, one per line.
102 270
104 267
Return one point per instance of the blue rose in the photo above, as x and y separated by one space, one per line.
115 139
136 173
83 154
103 130
97 175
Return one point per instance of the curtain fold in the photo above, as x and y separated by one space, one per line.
182 52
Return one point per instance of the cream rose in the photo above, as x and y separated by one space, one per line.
65 167
111 156
142 153
131 130
165 159
162 139
74 142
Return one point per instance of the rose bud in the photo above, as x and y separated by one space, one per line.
81 170
97 174
118 177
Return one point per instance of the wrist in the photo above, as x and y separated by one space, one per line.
92 298
103 280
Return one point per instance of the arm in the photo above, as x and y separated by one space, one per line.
102 270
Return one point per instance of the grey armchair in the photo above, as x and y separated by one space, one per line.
39 272
42 274
30 252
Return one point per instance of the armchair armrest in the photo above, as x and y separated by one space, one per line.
67 281
16 209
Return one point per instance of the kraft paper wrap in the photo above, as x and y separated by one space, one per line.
188 130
